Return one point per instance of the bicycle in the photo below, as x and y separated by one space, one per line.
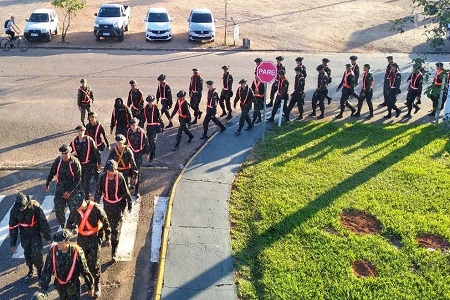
19 42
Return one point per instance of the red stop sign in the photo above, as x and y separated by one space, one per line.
266 71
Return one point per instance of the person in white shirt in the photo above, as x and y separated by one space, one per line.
11 28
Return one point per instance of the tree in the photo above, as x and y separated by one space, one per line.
69 8
436 15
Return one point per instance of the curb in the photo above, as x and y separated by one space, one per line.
165 233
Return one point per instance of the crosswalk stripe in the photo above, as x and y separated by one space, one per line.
159 216
128 233
4 224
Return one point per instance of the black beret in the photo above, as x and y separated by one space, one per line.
389 57
279 58
150 98
64 148
76 201
225 67
80 127
258 60
133 81
439 64
348 66
298 69
161 77
299 58
134 121
242 81
181 94
62 236
320 67
282 72
111 165
120 138
195 70
210 82
325 60
83 80
353 57
92 114
394 65
367 65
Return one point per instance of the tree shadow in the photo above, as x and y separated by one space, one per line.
35 141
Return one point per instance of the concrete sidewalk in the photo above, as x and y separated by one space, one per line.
198 262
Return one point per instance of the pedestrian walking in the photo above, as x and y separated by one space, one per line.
226 93
327 71
165 94
211 108
184 117
136 102
366 93
299 62
275 84
387 76
257 61
435 89
348 85
414 89
394 89
355 68
138 143
123 155
95 130
195 93
298 96
321 92
282 94
259 91
84 99
154 122
244 95
120 117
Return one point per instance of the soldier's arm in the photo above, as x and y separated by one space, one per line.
169 95
419 85
72 221
76 169
285 88
200 85
129 100
230 82
96 152
43 223
47 271
84 270
175 109
104 219
236 98
113 121
13 228
146 149
125 191
141 101
341 83
399 81
79 97
301 86
99 189
103 133
52 172
157 94
134 168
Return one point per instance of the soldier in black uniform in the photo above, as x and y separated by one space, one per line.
66 169
244 95
120 117
348 88
298 96
84 98
275 87
124 157
165 94
387 76
154 124
95 130
257 61
226 93
136 102
320 93
211 109
85 149
138 143
327 70
283 87
355 67
258 89
28 219
184 117
394 82
299 61
414 89
436 88
90 222
195 92
366 92
113 187
67 262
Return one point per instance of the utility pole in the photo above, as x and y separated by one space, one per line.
226 21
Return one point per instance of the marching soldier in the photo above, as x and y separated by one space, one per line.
414 89
394 89
348 85
320 93
436 88
120 117
245 96
195 92
66 169
257 61
165 94
227 92
67 262
136 102
299 61
138 143
366 92
298 96
113 187
387 76
84 98
124 157
90 222
282 93
154 122
355 67
274 88
327 71
258 89
28 219
184 117
95 130
211 108
85 149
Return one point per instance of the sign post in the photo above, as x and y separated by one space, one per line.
266 71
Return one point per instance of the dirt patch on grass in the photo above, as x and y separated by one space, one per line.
360 222
330 230
364 269
431 241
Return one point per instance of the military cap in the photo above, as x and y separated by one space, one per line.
64 148
281 72
40 295
209 82
299 58
63 235
298 69
150 98
325 60
349 66
242 81
132 81
161 77
280 58
80 127
134 121
389 57
76 201
353 57
320 67
83 80
110 165
181 94
367 66
258 60
92 114
195 70
225 67
22 200
439 64
120 138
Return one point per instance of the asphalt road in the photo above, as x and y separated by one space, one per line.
38 113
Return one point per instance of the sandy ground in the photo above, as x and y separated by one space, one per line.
333 26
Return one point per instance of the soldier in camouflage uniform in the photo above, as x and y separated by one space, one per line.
116 197
90 221
124 157
67 172
28 218
138 143
85 149
84 98
95 130
67 262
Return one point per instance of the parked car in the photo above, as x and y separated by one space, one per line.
201 25
111 21
158 24
41 24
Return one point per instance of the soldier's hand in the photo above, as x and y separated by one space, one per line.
91 292
108 243
66 195
148 157
99 167
13 250
108 147
130 207
110 132
337 89
46 188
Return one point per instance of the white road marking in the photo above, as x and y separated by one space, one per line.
128 233
159 217
4 224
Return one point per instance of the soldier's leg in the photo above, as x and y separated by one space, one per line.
186 130
27 246
60 206
385 93
341 104
247 118
409 102
389 104
206 124
275 108
241 123
194 108
322 96
141 120
179 135
36 253
315 99
138 159
86 176
223 95
300 103
228 104
273 91
198 100
369 96
218 123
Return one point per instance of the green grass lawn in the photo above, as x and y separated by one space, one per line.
305 175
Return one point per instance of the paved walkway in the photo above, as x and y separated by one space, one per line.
198 262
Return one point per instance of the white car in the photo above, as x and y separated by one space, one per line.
201 25
42 23
158 24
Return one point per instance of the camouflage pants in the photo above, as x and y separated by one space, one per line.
87 172
114 214
60 206
70 291
32 249
91 246
83 108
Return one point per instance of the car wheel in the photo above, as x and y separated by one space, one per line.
97 38
126 27
121 36
56 30
49 36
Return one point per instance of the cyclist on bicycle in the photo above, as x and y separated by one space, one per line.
11 28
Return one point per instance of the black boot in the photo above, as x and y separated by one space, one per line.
194 122
113 252
30 273
204 136
416 109
229 116
223 114
190 138
270 104
177 146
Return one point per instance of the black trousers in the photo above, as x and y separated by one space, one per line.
318 99
277 104
152 132
225 100
91 246
245 117
210 116
165 108
195 103
391 100
87 172
365 96
346 92
410 97
298 99
183 128
83 108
